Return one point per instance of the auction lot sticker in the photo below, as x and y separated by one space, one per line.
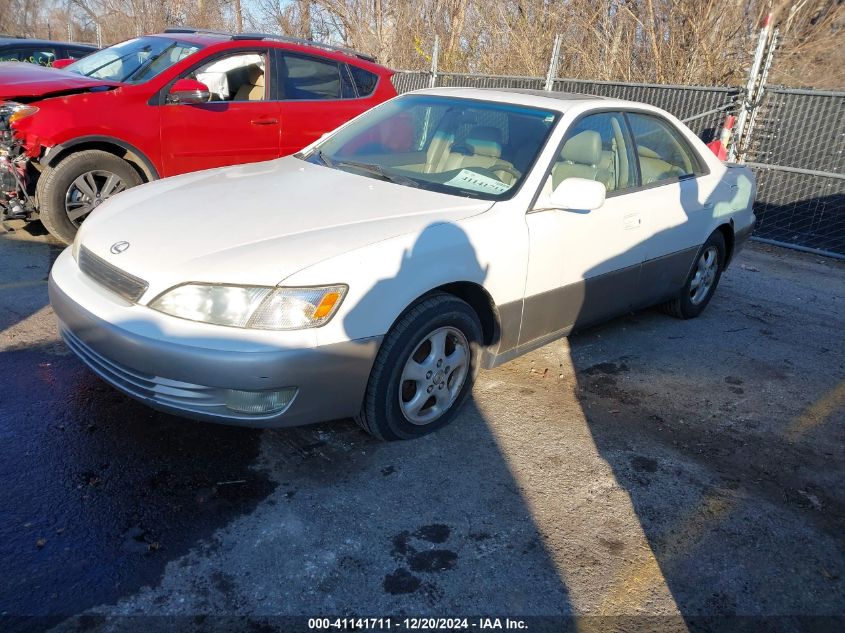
468 179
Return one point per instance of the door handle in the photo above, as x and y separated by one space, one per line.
264 121
631 221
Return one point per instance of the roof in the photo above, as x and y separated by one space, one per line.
203 37
538 98
24 40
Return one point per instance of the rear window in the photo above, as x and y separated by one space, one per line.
365 81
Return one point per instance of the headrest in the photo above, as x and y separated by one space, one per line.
584 148
255 74
485 141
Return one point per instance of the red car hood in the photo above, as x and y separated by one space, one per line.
19 79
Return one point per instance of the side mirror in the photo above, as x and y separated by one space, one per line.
61 63
188 91
578 194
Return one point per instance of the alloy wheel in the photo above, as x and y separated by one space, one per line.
705 275
434 375
88 191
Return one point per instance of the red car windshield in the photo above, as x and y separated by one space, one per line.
134 61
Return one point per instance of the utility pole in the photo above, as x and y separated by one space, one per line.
239 17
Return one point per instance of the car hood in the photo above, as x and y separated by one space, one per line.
257 223
24 81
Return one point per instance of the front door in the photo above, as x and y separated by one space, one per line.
584 265
240 124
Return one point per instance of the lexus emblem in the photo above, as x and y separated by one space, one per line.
118 247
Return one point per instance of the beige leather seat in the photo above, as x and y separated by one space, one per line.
582 157
482 147
438 153
253 89
654 168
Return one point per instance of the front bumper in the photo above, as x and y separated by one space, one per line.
190 377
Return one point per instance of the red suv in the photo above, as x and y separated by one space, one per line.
163 105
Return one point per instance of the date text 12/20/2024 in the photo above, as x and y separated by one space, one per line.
417 624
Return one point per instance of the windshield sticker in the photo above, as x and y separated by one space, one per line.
474 181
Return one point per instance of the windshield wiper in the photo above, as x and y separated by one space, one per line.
90 73
378 171
328 162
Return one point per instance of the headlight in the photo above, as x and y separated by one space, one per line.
12 111
256 307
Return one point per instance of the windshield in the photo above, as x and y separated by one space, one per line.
133 61
476 149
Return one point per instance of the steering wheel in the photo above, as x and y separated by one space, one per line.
507 168
499 167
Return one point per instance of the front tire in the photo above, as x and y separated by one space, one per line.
424 370
71 190
702 280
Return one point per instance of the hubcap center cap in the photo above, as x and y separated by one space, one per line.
439 377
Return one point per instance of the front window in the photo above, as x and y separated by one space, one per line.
476 149
238 77
133 61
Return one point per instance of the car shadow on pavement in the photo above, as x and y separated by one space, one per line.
102 493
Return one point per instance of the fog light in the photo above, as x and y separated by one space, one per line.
259 402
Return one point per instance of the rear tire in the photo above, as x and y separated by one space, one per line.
702 280
424 370
68 192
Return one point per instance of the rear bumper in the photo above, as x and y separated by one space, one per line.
191 377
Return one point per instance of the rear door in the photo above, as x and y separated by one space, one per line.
317 95
240 124
675 204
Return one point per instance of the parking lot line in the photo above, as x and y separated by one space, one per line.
635 582
31 283
817 413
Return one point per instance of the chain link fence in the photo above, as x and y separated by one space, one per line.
797 150
797 147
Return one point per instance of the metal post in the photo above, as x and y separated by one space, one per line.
750 87
435 54
553 63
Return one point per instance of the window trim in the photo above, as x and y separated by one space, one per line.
702 170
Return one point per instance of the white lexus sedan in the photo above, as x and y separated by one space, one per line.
373 273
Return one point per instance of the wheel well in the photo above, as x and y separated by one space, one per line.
112 148
480 301
727 232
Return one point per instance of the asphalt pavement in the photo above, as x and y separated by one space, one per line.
683 471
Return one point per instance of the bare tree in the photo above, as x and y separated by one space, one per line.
664 41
